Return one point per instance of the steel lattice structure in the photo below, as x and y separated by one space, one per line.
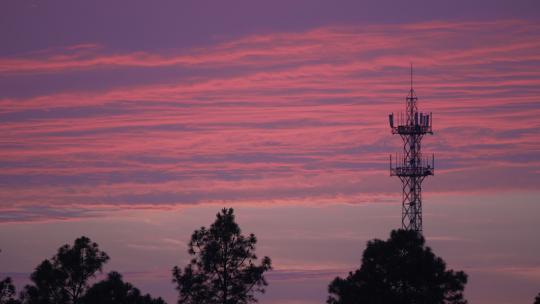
411 166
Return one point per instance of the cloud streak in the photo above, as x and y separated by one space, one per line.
277 118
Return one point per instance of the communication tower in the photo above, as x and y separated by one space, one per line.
411 166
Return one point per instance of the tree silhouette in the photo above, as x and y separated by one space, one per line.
114 290
537 299
222 269
7 291
48 286
401 270
64 278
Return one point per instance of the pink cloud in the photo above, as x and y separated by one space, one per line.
302 119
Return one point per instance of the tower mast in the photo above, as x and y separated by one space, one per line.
411 166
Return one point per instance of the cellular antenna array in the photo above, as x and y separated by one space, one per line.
411 166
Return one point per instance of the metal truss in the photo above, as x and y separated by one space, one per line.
410 166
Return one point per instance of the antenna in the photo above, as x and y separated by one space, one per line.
411 78
412 167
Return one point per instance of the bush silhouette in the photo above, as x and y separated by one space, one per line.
222 269
401 270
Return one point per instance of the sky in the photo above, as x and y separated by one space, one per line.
135 122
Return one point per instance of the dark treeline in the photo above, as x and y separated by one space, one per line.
224 269
65 278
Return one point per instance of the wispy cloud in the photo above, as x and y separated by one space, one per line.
264 119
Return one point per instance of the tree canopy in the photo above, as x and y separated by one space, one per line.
222 268
64 278
114 290
401 270
7 292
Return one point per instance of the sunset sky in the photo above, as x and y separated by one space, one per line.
134 122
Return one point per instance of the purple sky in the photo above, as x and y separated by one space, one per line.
134 122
